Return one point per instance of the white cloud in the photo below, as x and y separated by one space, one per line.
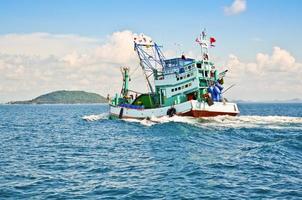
280 61
32 64
238 6
45 44
118 50
257 39
275 76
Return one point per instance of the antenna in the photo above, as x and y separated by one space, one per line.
204 45
179 48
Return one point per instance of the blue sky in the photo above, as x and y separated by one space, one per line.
261 26
274 21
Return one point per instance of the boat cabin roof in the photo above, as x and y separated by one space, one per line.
176 63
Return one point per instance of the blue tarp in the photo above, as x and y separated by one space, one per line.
131 106
215 92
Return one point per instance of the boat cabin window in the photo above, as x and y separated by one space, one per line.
181 70
206 73
179 88
198 65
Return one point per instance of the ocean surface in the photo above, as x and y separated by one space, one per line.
76 152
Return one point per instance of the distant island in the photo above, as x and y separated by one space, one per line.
65 97
295 100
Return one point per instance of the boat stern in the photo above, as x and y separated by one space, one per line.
202 109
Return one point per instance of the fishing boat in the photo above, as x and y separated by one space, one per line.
178 86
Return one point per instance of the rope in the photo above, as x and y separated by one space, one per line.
134 70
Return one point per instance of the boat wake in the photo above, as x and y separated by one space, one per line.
245 121
254 121
272 122
160 120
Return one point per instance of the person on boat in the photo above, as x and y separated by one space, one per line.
108 98
205 56
212 72
207 97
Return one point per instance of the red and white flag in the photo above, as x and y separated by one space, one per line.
212 41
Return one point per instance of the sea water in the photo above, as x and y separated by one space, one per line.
76 152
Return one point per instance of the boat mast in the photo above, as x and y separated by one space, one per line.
204 50
204 46
126 79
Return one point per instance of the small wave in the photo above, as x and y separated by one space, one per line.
95 117
145 122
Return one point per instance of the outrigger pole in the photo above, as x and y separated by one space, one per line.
126 79
148 81
150 57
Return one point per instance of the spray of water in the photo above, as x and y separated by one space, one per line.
96 117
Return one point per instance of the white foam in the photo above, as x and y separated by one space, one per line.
270 122
95 117
273 122
254 119
160 120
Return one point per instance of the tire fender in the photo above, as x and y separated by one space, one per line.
171 112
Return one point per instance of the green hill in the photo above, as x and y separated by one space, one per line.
65 97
